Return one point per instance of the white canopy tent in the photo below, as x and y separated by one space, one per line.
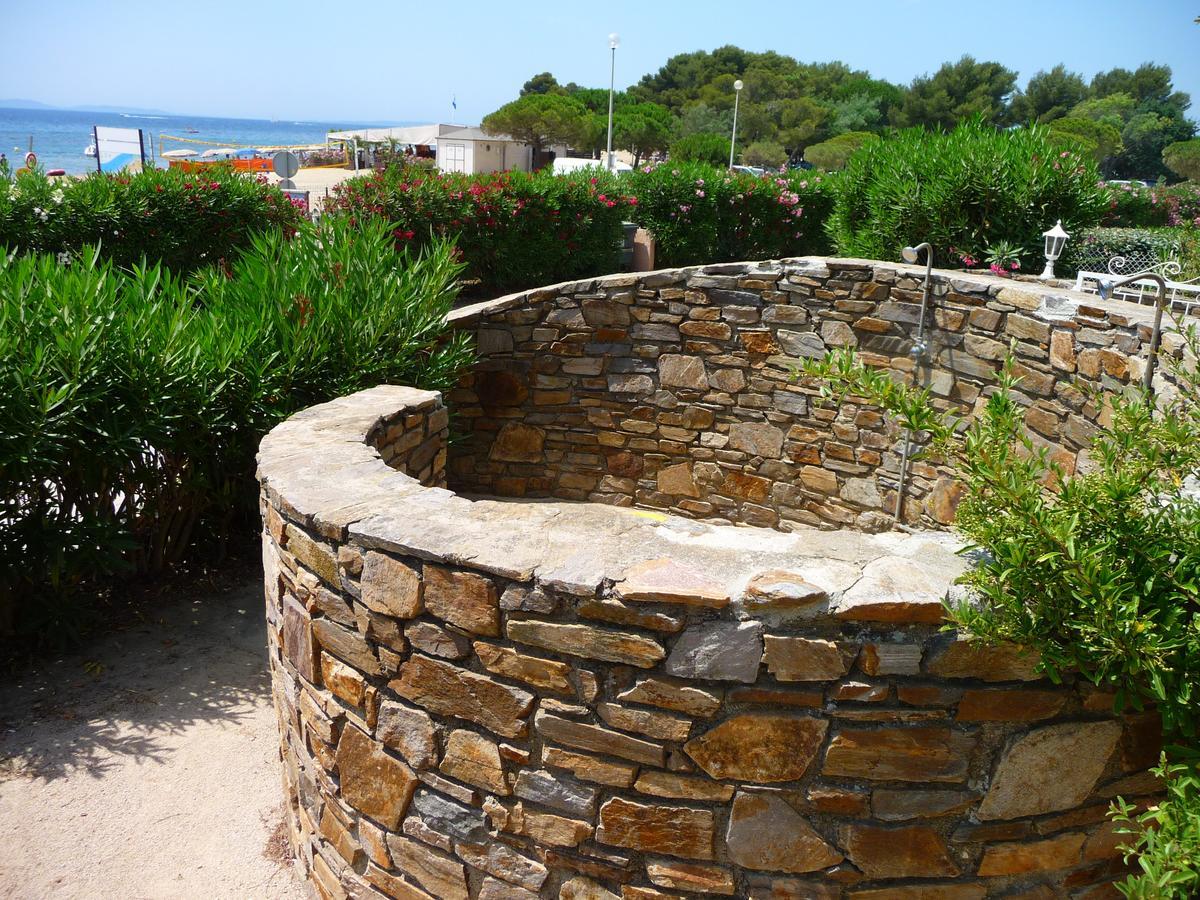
417 135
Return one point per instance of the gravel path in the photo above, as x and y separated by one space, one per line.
147 768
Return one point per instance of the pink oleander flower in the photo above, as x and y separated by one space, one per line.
699 193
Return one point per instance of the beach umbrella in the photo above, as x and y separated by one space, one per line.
219 151
183 153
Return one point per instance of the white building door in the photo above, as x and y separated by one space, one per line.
454 157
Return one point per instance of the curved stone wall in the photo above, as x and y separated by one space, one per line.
676 390
497 699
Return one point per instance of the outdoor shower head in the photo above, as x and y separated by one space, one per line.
909 254
1104 288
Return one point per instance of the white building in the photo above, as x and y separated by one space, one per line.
458 148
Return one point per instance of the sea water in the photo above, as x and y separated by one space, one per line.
61 136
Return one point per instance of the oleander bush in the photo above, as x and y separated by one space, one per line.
1138 206
967 189
1093 248
513 230
132 401
1098 571
704 214
182 221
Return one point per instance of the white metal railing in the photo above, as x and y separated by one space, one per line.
1181 294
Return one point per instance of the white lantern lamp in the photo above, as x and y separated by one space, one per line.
1055 239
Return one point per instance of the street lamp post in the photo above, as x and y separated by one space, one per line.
614 41
737 93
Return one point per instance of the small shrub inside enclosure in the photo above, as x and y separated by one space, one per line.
513 230
967 189
703 214
131 403
181 220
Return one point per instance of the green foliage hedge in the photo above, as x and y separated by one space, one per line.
1137 206
513 230
967 189
132 402
181 220
1092 248
702 214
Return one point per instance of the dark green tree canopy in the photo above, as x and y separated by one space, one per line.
1183 158
539 119
1134 114
542 83
706 148
642 129
1049 95
958 91
1149 83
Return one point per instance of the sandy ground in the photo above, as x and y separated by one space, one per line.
146 768
319 182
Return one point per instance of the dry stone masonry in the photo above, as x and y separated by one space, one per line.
677 390
635 699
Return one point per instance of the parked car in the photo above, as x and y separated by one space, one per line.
753 170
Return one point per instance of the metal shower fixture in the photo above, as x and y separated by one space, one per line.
918 351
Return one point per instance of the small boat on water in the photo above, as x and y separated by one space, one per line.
90 149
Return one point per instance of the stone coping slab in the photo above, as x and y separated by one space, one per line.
321 467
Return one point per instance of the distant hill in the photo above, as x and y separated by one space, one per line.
21 103
132 110
24 104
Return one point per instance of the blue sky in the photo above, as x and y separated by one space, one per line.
392 60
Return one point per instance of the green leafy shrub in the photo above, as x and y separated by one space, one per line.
1099 572
704 214
1138 206
1183 158
833 154
966 189
181 220
513 230
132 402
769 154
702 147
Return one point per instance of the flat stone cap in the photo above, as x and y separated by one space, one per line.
319 469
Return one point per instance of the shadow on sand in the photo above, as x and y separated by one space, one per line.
203 658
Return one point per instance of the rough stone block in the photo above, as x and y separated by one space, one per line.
920 753
373 782
588 641
805 659
447 690
390 587
719 651
464 599
759 747
655 828
767 834
1048 769
472 758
